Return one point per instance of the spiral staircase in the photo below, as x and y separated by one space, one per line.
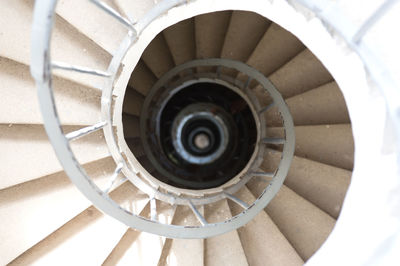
45 220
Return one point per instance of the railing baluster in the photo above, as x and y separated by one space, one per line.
266 108
79 69
247 83
238 201
273 140
153 209
84 131
263 174
112 12
114 177
198 215
219 71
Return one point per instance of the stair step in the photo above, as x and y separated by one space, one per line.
304 225
95 23
148 165
328 144
133 102
135 10
261 239
304 72
323 185
76 104
224 249
244 32
181 41
122 248
276 47
68 45
140 248
88 238
157 56
322 105
27 153
142 79
185 251
165 252
263 98
210 30
136 146
131 126
37 208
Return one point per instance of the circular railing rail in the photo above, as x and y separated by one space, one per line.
251 169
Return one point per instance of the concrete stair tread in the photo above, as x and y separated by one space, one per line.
262 241
210 30
136 146
142 79
276 47
100 27
131 125
323 185
133 102
21 146
141 248
304 72
134 10
72 46
157 56
76 104
87 238
180 39
41 206
304 225
328 144
322 105
224 249
184 251
243 26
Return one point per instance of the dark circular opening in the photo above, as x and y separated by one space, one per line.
200 141
208 118
206 135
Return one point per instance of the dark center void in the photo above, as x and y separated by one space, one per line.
222 128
